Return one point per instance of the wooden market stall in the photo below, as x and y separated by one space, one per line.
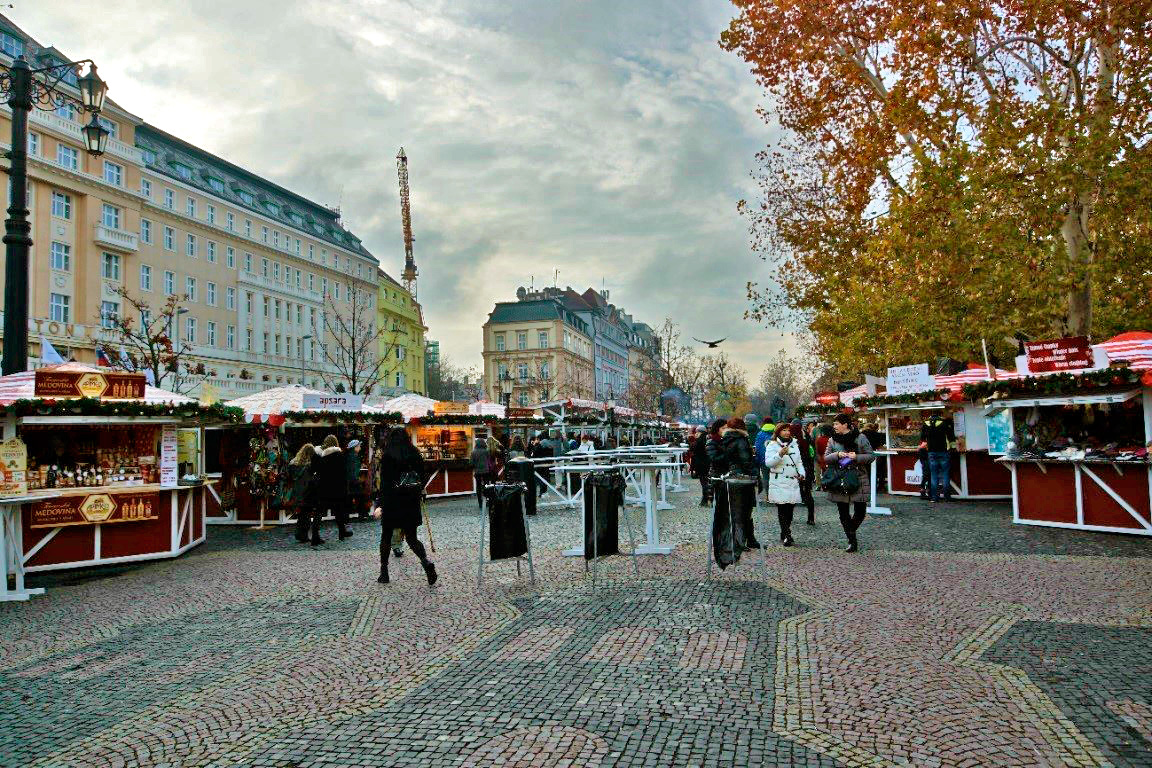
109 468
1076 441
974 474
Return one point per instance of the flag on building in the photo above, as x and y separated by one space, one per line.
48 353
102 357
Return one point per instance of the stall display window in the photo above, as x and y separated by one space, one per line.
90 457
444 443
1103 432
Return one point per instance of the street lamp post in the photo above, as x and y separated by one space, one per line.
612 415
304 338
24 91
506 385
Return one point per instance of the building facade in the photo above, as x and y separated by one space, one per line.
545 349
259 269
400 321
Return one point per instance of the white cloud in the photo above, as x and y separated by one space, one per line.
610 140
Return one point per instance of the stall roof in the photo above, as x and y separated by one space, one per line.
1134 346
411 406
974 374
22 386
267 406
486 408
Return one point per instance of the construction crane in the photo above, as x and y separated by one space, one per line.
410 272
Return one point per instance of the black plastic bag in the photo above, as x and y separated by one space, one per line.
506 535
603 497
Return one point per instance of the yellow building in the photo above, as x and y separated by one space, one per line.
546 350
401 322
259 264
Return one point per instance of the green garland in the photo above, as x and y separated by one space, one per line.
819 409
470 419
1053 384
913 398
87 406
345 417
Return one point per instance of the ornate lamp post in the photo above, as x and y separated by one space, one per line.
506 385
24 91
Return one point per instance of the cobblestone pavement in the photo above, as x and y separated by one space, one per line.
952 639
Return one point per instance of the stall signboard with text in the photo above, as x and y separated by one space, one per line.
828 398
1068 354
333 402
169 455
102 386
910 379
520 413
13 468
94 509
448 408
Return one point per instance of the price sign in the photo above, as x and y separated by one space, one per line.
910 379
1067 354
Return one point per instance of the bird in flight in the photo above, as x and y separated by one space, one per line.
711 344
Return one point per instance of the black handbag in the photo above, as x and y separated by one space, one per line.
842 481
409 480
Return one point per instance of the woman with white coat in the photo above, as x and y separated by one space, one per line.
785 476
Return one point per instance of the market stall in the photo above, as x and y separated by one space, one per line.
1076 440
974 474
110 468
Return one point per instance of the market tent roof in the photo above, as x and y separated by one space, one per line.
266 407
410 406
1134 346
22 386
975 373
486 408
849 395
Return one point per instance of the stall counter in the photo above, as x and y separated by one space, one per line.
1113 497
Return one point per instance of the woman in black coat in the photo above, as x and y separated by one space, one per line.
398 497
332 484
700 465
733 453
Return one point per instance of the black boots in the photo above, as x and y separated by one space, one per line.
345 534
430 572
852 547
383 577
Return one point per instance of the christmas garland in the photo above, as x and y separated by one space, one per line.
344 417
913 398
1053 384
87 406
820 409
470 419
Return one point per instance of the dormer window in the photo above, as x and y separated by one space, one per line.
216 184
245 196
273 208
182 171
297 219
148 156
11 45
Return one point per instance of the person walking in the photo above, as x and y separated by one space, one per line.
937 437
700 465
786 475
538 450
332 484
495 459
516 450
733 453
481 470
355 486
763 437
807 460
398 498
849 449
302 490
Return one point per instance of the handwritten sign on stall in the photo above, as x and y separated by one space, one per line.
94 509
13 468
104 386
910 379
169 455
1067 354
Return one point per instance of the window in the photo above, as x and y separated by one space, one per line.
278 305
276 271
230 337
542 339
169 239
337 291
210 294
230 258
211 334
501 371
544 370
109 126
264 267
523 399
499 342
311 282
211 214
67 110
11 45
287 345
311 252
231 221
59 308
248 302
108 312
169 283
110 216
267 307
297 279
276 239
248 339
521 340
312 317
230 298
61 256
247 227
33 144
248 262
191 206
277 348
183 171
190 288
67 157
399 379
148 156
113 173
145 231
297 246
264 234
211 251
145 320
266 342
190 330
401 353
146 188
190 246
522 371
61 205
299 314
110 266
169 199
216 184
145 277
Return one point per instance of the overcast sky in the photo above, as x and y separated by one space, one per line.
608 139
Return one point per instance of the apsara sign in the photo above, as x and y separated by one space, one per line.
94 509
102 386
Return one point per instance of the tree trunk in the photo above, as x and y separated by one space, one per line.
1078 249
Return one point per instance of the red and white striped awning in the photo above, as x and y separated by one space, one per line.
974 374
22 386
1134 346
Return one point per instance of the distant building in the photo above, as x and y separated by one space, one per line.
401 341
545 349
431 358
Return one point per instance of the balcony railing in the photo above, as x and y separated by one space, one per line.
72 129
116 239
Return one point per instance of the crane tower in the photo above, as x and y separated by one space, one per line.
410 271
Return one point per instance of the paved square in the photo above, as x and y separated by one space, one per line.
952 639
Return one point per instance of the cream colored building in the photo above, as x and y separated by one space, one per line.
401 320
546 349
260 265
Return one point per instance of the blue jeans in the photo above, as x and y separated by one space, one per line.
939 467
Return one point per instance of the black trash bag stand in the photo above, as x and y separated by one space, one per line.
725 546
605 488
502 488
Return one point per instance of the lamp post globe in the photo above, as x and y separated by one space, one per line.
95 137
92 90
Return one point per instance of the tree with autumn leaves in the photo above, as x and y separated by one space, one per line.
951 172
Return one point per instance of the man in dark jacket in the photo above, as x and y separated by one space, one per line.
937 437
807 458
537 450
332 484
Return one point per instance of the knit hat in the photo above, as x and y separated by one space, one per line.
353 444
768 427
